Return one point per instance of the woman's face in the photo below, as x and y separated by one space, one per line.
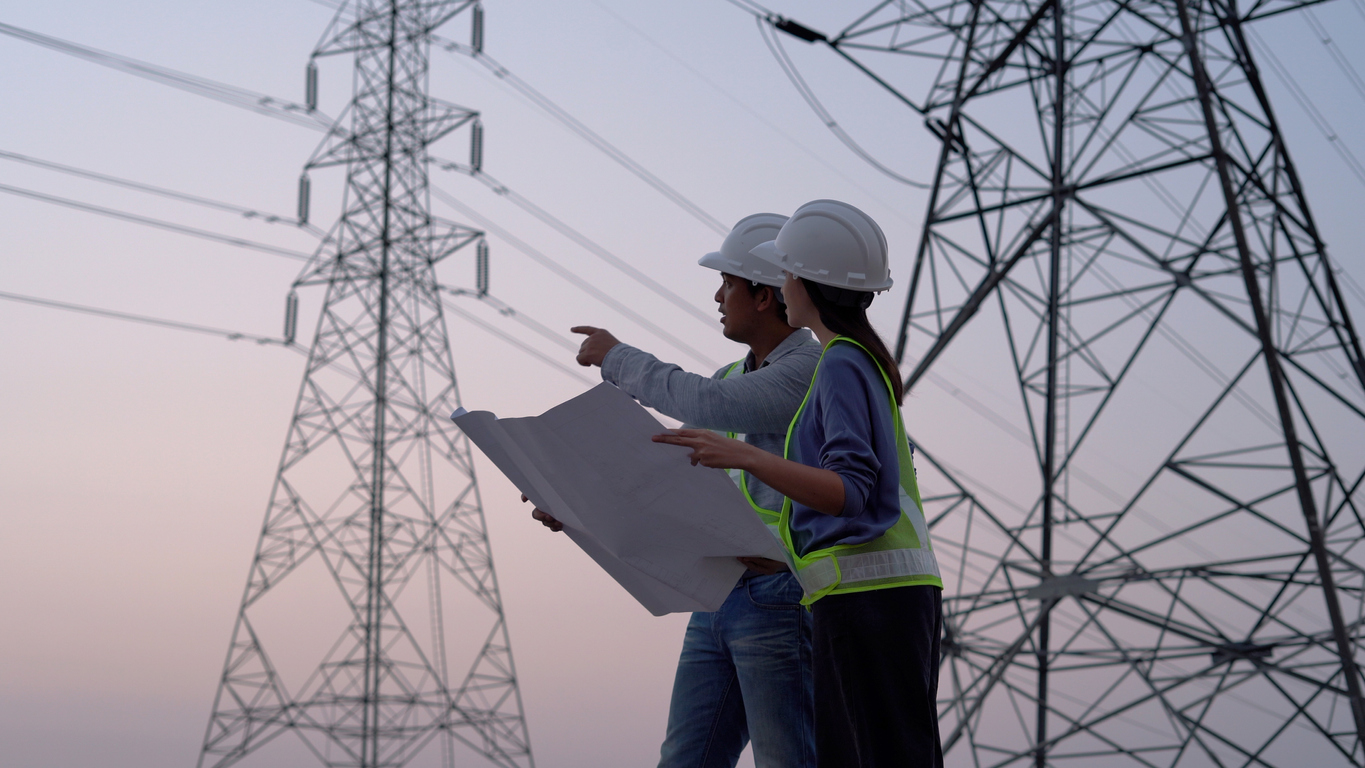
801 313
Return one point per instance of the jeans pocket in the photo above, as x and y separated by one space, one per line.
779 591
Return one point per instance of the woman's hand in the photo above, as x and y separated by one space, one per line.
819 489
710 449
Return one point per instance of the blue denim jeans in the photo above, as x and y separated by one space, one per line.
745 673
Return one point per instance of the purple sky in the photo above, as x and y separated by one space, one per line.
136 462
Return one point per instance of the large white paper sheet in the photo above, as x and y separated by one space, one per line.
666 531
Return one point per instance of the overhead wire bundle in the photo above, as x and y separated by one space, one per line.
307 116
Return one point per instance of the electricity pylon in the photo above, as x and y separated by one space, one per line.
1169 567
376 493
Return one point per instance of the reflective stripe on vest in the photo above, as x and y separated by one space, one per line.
902 556
768 516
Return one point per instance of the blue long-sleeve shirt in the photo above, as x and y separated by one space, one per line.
760 403
847 427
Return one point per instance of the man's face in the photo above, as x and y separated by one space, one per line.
738 308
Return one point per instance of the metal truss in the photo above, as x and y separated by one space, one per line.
376 493
1180 583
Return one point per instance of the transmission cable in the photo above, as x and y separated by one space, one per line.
299 255
1334 50
514 341
789 69
577 281
749 6
504 309
157 223
1308 107
247 213
578 128
302 115
1352 285
228 94
579 238
230 335
586 133
269 341
758 116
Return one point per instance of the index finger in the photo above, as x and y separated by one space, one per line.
689 432
586 330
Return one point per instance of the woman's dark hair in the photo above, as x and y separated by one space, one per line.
844 312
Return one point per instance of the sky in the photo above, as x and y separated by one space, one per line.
136 461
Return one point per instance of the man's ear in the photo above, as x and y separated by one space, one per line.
765 299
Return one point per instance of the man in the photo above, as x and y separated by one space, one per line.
745 670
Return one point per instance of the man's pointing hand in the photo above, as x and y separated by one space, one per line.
594 348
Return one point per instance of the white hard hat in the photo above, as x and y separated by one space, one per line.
831 243
734 257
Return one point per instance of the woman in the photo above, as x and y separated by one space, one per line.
852 521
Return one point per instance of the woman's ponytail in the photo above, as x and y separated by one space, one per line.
845 313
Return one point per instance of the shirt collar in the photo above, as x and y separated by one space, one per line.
797 338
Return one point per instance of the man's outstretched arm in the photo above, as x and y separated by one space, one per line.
759 401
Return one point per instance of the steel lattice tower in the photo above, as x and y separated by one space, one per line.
1116 214
376 491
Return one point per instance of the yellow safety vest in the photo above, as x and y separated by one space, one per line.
768 516
900 557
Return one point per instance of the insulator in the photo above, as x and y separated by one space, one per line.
476 146
304 188
476 30
799 30
310 86
291 316
481 268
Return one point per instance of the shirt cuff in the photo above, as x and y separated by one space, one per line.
613 361
853 499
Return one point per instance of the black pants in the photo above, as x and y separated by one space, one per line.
876 678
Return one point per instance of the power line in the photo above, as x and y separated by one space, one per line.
1352 285
748 6
230 335
582 240
577 281
789 69
157 223
1307 105
514 341
748 109
266 340
247 213
300 114
1337 56
281 108
228 94
504 309
586 133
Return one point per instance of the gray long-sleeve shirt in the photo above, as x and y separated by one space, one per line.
760 404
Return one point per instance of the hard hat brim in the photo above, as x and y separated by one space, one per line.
714 260
717 261
769 253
